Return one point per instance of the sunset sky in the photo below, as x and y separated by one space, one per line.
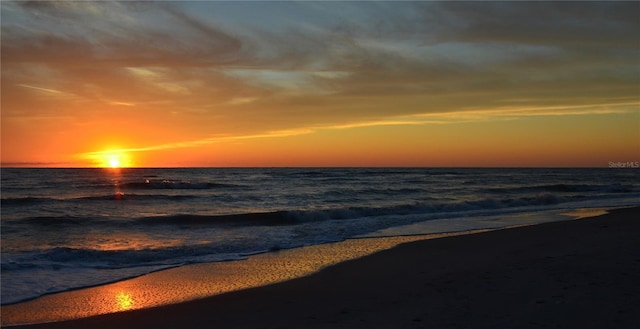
163 84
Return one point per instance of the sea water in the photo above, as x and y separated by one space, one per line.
65 229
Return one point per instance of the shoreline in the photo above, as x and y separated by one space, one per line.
194 281
354 281
75 301
428 229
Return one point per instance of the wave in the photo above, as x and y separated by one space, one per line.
23 201
299 216
430 208
116 196
120 196
57 220
245 219
370 191
66 257
112 259
30 276
358 174
566 188
426 172
169 184
257 218
294 217
63 257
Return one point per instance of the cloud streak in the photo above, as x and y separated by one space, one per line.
506 113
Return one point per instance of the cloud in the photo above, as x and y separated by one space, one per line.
110 35
561 24
49 91
250 69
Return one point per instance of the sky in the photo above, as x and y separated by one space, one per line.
435 84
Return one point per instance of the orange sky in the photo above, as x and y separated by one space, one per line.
163 84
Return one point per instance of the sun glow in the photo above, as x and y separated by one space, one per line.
113 158
114 162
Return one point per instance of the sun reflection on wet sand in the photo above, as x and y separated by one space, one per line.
124 301
586 212
193 281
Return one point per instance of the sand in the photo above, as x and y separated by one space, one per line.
580 274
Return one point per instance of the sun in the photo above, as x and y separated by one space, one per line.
114 160
114 163
111 158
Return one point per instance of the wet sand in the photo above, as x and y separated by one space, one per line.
579 273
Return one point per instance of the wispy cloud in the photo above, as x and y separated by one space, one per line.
519 112
478 115
99 155
51 91
248 70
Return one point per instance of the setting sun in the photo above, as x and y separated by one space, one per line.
114 162
112 158
115 159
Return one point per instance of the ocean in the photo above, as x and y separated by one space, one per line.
64 229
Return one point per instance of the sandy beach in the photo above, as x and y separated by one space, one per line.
580 274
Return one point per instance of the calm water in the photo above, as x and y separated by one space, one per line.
69 228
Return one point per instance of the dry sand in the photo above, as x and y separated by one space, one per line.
574 274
